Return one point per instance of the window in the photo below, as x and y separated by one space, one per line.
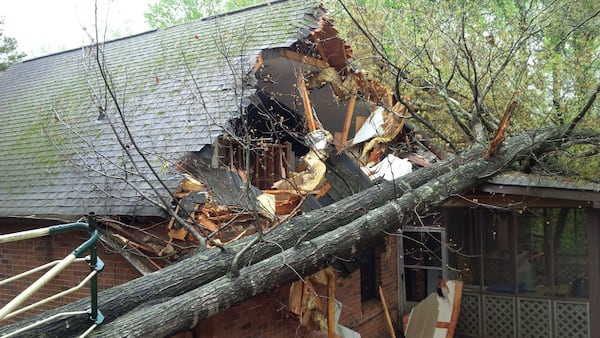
423 261
367 263
368 275
552 252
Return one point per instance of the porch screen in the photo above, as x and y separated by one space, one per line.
536 252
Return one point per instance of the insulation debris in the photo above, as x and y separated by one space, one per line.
390 168
372 127
392 125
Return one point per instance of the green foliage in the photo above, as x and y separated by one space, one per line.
165 13
463 62
8 50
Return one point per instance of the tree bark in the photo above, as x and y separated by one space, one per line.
181 293
308 257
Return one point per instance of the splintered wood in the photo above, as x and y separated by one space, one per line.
223 224
306 301
500 133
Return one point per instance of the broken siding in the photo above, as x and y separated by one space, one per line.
175 86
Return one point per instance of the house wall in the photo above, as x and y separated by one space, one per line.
18 257
266 315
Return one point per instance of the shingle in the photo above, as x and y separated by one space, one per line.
48 168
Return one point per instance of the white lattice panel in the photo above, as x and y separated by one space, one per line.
534 318
499 316
572 319
469 323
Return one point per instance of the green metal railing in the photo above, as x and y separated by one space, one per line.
96 265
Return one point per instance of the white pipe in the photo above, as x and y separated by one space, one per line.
13 304
83 335
51 318
32 271
17 236
53 297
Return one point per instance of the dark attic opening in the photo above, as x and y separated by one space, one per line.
273 135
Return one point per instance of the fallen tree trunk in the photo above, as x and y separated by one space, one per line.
436 184
195 271
184 311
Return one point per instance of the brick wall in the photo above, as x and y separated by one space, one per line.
18 257
266 315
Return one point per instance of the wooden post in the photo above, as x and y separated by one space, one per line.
593 231
330 303
387 314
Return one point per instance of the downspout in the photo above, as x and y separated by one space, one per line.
399 278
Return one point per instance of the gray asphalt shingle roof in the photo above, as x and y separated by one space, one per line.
515 178
178 87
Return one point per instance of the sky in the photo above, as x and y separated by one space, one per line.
44 27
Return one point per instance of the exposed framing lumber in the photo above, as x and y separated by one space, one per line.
306 102
142 267
348 119
309 60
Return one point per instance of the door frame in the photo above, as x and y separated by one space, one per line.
404 304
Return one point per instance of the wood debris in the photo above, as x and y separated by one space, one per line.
306 305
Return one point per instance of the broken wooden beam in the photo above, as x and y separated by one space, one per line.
306 102
348 120
303 58
330 302
142 266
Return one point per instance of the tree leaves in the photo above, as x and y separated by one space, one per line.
9 53
166 13
463 62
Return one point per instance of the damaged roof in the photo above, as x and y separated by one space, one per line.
177 89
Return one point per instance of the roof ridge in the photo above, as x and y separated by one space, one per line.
243 9
91 45
207 18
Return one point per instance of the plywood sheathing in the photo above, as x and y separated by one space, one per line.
331 48
309 60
